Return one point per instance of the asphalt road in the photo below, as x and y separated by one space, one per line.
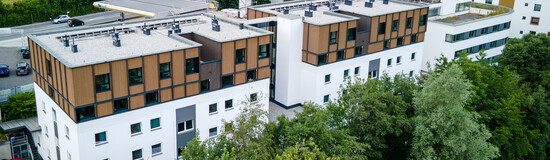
11 56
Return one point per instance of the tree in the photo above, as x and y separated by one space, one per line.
19 106
302 151
195 149
443 128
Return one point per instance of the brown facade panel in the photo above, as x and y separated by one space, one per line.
164 57
228 58
135 89
263 40
179 92
263 73
135 63
165 95
240 44
83 81
406 40
424 11
119 78
333 27
102 68
240 78
240 67
167 82
312 58
375 47
258 14
192 89
342 35
104 109
393 43
349 53
323 39
420 37
416 20
192 77
151 72
103 96
304 56
352 24
252 53
178 67
251 14
422 28
350 44
332 47
137 101
191 53
389 20
374 29
70 86
314 38
72 114
305 36
507 3
263 62
402 23
331 57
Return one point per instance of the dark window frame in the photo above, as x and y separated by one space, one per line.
408 24
340 55
163 74
205 85
351 34
225 79
263 53
423 20
240 56
381 28
102 83
333 37
90 113
151 98
394 25
123 102
229 104
213 108
537 21
135 76
192 65
135 130
539 7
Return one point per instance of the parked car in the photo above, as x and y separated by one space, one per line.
26 53
4 70
24 48
61 19
75 22
22 68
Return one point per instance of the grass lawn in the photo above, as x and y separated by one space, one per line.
9 1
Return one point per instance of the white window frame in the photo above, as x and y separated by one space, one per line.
185 126
67 132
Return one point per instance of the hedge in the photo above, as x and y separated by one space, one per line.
29 11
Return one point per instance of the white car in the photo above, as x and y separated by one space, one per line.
61 19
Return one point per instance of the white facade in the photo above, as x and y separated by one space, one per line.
526 8
299 82
437 32
80 142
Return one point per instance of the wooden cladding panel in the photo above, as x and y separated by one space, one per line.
135 89
424 11
314 38
178 67
332 47
312 58
407 40
416 20
252 53
240 78
192 89
305 36
179 92
228 58
104 109
422 28
137 101
331 57
352 24
393 43
342 35
164 57
165 95
103 96
192 53
262 40
240 67
304 56
151 72
349 53
70 86
420 37
102 68
263 73
350 44
251 14
507 3
402 23
263 62
165 82
375 47
323 39
135 63
333 27
240 44
374 29
258 14
389 21
83 81
192 77
119 78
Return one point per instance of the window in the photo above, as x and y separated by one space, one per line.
537 7
411 73
394 25
229 104
382 28
151 98
251 75
434 11
462 6
253 97
493 44
507 25
520 32
387 44
205 85
102 83
85 113
489 1
472 33
185 126
263 53
192 65
100 138
356 72
413 56
485 30
535 21
136 154
227 81
340 55
400 41
326 98
351 34
423 19
50 92
55 130
135 128
526 4
68 156
134 75
322 59
389 62
240 55
155 123
212 108
164 70
373 74
409 23
49 67
54 115
67 132
213 132
496 28
46 131
346 73
398 61
413 38
523 17
332 37
358 51
532 32
156 149
327 78
120 105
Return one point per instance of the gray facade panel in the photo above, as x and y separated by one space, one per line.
182 115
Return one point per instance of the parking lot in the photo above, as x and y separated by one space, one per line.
10 56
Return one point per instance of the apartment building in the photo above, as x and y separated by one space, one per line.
141 90
530 16
320 44
464 26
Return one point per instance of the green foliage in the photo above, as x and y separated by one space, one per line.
27 11
443 128
302 151
223 4
19 106
195 149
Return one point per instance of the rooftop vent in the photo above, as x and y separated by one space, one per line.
309 14
368 4
386 1
215 25
116 38
371 1
285 11
241 25
348 2
334 7
170 32
66 41
74 47
312 7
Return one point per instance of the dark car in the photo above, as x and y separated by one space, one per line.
22 68
4 70
75 22
26 53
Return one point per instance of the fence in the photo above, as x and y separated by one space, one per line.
6 93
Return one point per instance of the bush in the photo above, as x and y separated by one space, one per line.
19 106
29 11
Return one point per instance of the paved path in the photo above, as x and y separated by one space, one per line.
11 56
276 110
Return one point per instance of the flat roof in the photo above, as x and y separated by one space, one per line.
475 12
153 8
30 123
95 44
324 15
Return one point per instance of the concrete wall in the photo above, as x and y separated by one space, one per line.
519 24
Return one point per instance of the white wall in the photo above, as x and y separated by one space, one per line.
519 24
289 57
120 143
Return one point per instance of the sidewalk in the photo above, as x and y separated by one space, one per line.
16 42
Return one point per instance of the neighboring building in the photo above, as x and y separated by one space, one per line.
465 26
530 16
142 92
319 46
